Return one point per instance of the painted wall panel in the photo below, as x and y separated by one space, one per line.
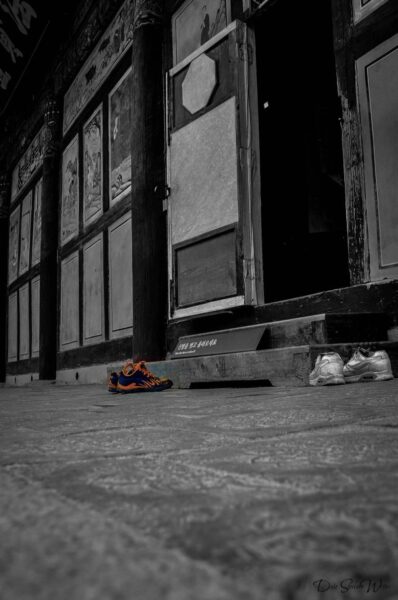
204 174
195 23
69 326
36 234
35 291
13 327
378 95
120 278
70 192
24 312
92 171
120 139
93 291
24 251
13 245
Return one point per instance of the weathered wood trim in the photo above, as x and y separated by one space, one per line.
105 352
31 365
358 253
4 212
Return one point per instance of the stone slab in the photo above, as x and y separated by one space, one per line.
200 495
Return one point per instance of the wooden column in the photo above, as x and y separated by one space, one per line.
49 244
148 173
4 212
343 28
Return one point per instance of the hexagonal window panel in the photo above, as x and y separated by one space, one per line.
199 83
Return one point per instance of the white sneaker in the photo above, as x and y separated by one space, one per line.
365 365
328 370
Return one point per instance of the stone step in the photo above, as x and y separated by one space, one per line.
329 328
284 367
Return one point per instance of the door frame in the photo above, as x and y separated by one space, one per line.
248 168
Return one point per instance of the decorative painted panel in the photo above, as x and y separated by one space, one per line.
24 322
28 165
120 139
13 327
35 298
93 291
378 97
13 245
70 192
24 252
362 8
69 326
36 234
204 174
196 22
120 278
92 173
110 48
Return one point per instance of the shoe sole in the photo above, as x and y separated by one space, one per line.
332 380
159 388
370 376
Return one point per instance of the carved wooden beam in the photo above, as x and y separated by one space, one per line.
4 196
52 127
148 12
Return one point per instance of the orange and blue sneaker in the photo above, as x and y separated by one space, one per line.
135 377
114 377
112 382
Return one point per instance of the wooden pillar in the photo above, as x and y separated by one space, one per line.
148 172
4 212
343 28
49 244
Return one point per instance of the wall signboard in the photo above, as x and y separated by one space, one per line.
241 339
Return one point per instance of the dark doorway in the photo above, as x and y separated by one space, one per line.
303 204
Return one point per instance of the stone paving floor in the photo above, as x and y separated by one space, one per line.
227 494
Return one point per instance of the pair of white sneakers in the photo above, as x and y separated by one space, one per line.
364 365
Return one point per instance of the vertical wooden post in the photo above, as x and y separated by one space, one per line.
148 172
358 258
4 212
49 244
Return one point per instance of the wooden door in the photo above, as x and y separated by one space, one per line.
214 213
377 73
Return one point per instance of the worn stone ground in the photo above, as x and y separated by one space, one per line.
199 494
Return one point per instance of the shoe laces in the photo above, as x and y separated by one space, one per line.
128 368
141 366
